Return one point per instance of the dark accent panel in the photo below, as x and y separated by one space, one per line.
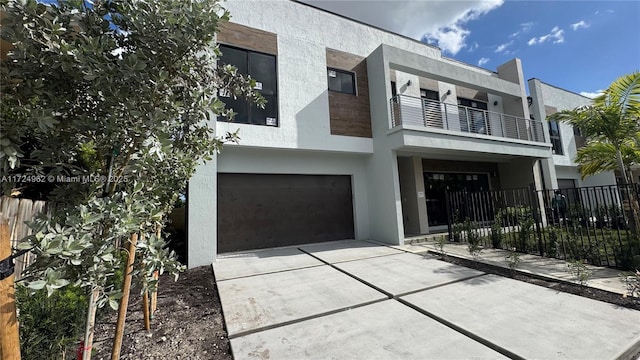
247 38
550 110
266 210
350 115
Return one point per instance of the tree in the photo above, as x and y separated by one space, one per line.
611 126
110 104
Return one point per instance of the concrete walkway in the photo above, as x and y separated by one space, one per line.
601 277
361 300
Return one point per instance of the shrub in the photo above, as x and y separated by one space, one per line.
50 326
496 235
526 230
552 251
580 272
513 260
474 239
513 215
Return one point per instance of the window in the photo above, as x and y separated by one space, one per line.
554 135
341 81
262 68
429 94
473 118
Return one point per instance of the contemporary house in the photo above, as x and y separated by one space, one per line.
363 133
565 140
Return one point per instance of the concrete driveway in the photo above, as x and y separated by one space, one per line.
360 300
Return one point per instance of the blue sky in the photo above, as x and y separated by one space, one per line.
581 46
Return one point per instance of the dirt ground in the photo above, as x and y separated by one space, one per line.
187 325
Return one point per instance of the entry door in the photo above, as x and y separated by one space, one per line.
436 186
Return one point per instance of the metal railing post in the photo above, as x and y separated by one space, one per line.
466 111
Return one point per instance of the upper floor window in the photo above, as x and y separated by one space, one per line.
554 135
341 81
429 94
262 68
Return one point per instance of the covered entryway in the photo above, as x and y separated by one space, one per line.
267 210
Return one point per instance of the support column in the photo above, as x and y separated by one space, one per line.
420 193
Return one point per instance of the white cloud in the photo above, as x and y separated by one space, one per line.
503 47
483 61
439 22
526 27
591 95
556 36
473 47
580 25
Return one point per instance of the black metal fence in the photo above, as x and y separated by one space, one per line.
595 224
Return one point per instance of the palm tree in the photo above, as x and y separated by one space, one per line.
611 125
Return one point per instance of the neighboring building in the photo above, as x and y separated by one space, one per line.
565 139
364 132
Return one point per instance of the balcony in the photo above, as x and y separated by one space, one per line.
418 112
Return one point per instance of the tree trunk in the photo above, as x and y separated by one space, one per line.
621 167
90 325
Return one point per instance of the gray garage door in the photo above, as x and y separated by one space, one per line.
264 210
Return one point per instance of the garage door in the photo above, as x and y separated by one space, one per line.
265 210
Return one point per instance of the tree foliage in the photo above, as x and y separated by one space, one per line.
110 104
611 125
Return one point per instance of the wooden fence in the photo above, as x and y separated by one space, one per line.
17 211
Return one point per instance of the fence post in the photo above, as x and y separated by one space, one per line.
447 202
9 337
536 204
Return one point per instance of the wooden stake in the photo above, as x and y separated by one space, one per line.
124 302
9 338
90 325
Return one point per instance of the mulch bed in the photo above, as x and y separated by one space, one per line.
187 325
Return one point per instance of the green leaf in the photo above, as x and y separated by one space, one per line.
36 285
113 304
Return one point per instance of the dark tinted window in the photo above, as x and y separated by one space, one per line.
554 135
262 68
429 94
341 81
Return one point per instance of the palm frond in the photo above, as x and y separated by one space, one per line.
624 94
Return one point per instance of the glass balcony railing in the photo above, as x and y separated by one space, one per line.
408 110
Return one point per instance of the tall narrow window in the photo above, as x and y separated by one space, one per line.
341 81
262 68
554 135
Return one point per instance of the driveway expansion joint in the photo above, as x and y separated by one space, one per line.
386 293
463 331
302 319
438 285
